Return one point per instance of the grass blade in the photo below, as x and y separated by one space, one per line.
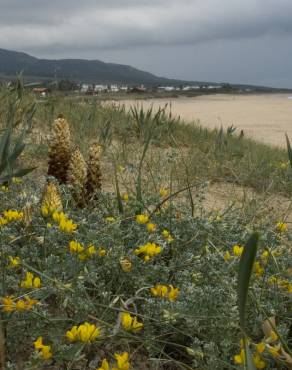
245 271
289 149
248 357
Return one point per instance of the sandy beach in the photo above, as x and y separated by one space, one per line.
264 117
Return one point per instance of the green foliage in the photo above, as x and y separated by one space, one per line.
12 148
245 270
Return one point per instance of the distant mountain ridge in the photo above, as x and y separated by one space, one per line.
81 70
91 71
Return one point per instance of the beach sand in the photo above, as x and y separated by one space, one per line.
264 117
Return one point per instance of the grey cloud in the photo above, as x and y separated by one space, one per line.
238 40
108 24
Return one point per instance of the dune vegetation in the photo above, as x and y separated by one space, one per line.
109 257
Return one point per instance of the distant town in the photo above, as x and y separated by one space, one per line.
96 89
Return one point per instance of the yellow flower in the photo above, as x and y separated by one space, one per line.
67 226
122 361
49 225
14 261
282 227
173 293
260 347
126 265
258 361
168 292
85 333
142 219
237 250
110 219
125 197
90 250
239 359
4 188
16 180
30 281
3 221
20 305
8 304
167 236
163 192
159 290
38 344
75 247
274 351
11 215
104 365
227 256
149 250
284 165
258 269
45 351
58 216
151 227
121 168
101 252
165 233
130 323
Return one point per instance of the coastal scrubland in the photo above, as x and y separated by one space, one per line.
111 258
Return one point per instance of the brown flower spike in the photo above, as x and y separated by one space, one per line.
59 149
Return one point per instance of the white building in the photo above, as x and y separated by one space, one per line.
114 88
100 88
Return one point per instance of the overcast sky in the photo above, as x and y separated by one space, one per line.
246 41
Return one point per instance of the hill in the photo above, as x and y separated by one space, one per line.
93 71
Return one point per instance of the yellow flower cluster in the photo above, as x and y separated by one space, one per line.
110 219
45 351
151 227
125 197
165 291
149 250
10 304
259 363
4 188
14 261
122 362
131 323
237 252
167 236
65 224
85 333
281 283
3 221
163 192
10 216
267 345
82 252
142 219
283 165
281 227
30 281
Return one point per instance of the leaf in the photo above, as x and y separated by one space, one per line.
19 173
289 149
119 198
4 145
244 274
248 357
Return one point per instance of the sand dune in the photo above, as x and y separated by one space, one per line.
264 117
